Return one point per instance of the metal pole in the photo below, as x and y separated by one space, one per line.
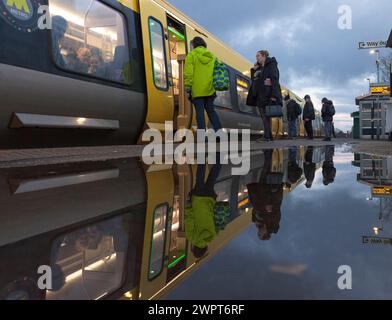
378 65
378 117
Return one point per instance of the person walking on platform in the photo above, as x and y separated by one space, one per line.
327 113
198 77
293 112
308 116
309 167
266 88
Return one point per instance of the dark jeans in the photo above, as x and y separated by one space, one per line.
266 124
206 188
328 129
309 129
207 104
292 128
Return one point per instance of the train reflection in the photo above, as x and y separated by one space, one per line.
121 230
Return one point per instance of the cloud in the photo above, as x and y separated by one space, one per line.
283 30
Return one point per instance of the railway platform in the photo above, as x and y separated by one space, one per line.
40 157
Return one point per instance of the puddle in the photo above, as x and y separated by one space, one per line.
122 230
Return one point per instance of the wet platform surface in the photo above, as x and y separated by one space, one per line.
118 229
37 157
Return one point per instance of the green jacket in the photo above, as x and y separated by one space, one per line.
199 221
198 73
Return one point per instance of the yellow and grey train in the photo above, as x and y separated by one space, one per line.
113 230
100 71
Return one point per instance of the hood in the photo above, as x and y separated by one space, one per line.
271 60
326 101
203 55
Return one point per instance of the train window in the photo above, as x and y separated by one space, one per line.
157 42
89 263
223 99
158 236
89 37
242 93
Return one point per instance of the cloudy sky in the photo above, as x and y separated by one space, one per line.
315 56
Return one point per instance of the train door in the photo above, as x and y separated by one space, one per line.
160 190
177 55
157 64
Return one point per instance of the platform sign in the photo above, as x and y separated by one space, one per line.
382 191
380 90
376 240
372 44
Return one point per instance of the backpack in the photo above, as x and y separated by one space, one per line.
331 110
221 79
298 109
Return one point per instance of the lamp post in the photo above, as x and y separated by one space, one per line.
368 79
377 52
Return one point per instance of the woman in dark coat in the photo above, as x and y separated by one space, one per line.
265 87
266 198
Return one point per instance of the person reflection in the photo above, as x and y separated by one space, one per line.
309 167
266 198
294 171
329 171
200 212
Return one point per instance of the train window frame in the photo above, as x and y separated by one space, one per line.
126 212
167 206
94 77
248 81
166 88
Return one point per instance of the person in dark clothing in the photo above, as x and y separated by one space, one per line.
266 197
327 113
308 116
309 167
266 88
329 170
293 110
294 171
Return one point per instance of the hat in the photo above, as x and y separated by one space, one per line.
198 42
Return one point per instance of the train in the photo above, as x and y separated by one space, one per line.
115 229
104 71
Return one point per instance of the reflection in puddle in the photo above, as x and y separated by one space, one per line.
119 230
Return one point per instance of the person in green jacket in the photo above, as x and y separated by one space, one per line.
200 228
198 77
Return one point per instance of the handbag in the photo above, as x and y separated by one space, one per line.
221 79
274 111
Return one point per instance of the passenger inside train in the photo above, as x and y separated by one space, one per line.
90 40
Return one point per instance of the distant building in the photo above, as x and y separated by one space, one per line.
373 109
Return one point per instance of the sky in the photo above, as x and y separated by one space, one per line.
315 56
320 230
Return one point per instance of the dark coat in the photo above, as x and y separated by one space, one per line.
263 195
262 92
329 172
294 172
293 110
309 111
328 111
